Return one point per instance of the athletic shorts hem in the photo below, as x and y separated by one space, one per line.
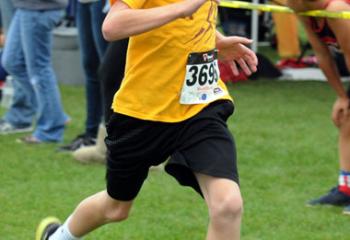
185 175
121 197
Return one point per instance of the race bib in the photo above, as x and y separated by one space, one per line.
201 81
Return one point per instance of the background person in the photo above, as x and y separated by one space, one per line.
7 10
111 73
89 18
286 27
27 57
326 36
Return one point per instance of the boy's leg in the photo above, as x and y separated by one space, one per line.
340 194
97 210
344 155
344 142
225 206
91 213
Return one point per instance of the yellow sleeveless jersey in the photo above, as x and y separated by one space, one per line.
156 65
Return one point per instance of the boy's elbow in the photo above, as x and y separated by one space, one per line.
107 32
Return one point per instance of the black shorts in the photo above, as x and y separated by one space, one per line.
201 144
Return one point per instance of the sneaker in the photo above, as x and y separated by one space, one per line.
333 197
8 128
29 140
95 153
90 154
80 141
46 228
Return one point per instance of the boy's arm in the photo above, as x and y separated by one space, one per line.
123 21
330 70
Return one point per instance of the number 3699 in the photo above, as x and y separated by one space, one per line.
203 74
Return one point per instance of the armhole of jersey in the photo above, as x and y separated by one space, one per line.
134 4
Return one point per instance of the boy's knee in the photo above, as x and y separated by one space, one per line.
228 208
116 213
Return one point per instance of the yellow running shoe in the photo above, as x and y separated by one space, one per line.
46 228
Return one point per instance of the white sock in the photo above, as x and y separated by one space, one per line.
63 233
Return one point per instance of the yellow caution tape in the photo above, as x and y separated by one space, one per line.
327 14
282 9
255 6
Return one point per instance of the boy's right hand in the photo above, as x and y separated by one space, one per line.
340 111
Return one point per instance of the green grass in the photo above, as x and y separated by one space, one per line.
287 151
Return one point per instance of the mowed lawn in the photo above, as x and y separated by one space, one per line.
287 154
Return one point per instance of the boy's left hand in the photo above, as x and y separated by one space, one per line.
233 51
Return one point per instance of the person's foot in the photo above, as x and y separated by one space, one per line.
29 140
80 141
333 197
46 228
346 210
8 128
96 153
90 154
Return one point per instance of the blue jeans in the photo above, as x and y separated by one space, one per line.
89 20
27 57
7 11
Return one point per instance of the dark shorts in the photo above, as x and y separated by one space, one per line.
201 144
